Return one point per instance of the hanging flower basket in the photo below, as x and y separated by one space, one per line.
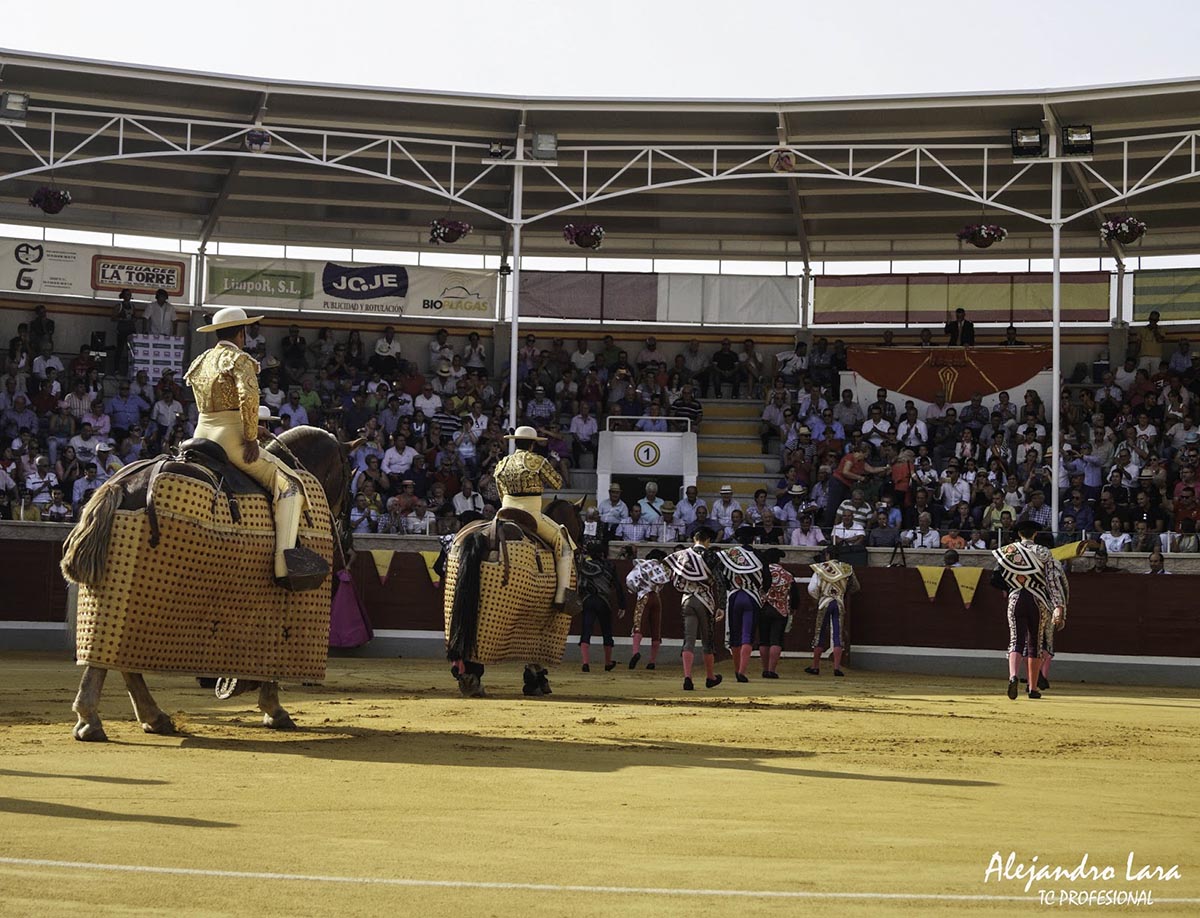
1124 230
50 200
981 235
448 231
782 161
258 141
584 235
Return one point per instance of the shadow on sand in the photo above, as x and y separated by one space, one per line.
63 811
603 755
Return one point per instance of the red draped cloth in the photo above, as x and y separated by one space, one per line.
960 372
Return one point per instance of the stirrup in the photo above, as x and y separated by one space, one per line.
306 570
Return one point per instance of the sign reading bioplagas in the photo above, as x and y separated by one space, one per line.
329 286
67 269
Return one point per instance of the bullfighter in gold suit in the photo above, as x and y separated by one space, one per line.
520 478
224 380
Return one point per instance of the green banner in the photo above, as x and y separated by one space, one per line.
1174 292
270 283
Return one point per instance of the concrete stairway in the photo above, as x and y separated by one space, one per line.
730 451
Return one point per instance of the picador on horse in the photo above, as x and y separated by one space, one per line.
215 561
509 580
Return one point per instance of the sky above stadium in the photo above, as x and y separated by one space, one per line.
634 48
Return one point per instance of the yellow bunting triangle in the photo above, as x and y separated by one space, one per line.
383 562
968 580
430 558
931 577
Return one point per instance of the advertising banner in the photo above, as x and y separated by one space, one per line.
67 269
371 289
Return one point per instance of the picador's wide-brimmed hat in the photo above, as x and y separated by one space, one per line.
525 432
229 317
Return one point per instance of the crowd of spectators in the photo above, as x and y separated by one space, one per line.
432 422
888 474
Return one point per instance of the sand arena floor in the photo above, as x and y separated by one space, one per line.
872 795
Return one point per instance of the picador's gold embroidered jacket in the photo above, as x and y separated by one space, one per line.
523 474
225 378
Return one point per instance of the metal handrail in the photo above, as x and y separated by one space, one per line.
638 417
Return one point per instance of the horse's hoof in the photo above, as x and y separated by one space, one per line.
160 726
86 733
470 687
534 691
280 720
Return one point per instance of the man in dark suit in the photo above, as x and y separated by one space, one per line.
960 331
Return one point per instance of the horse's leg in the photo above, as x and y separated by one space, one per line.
470 682
152 718
88 728
536 683
274 716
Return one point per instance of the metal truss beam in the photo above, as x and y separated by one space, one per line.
981 175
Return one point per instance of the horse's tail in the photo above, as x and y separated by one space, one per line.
85 552
464 614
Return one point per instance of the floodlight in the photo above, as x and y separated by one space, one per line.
14 106
496 149
1027 142
545 146
1077 140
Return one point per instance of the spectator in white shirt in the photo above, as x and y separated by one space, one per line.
876 427
912 431
428 402
582 359
474 357
398 459
1116 539
41 482
420 521
685 510
651 504
792 364
45 360
467 500
159 316
923 536
849 531
439 350
722 510
954 489
386 359
613 510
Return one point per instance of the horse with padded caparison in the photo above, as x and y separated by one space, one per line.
173 557
499 592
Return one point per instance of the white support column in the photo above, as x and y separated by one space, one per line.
513 345
1056 336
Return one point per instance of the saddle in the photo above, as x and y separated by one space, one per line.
200 459
509 525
